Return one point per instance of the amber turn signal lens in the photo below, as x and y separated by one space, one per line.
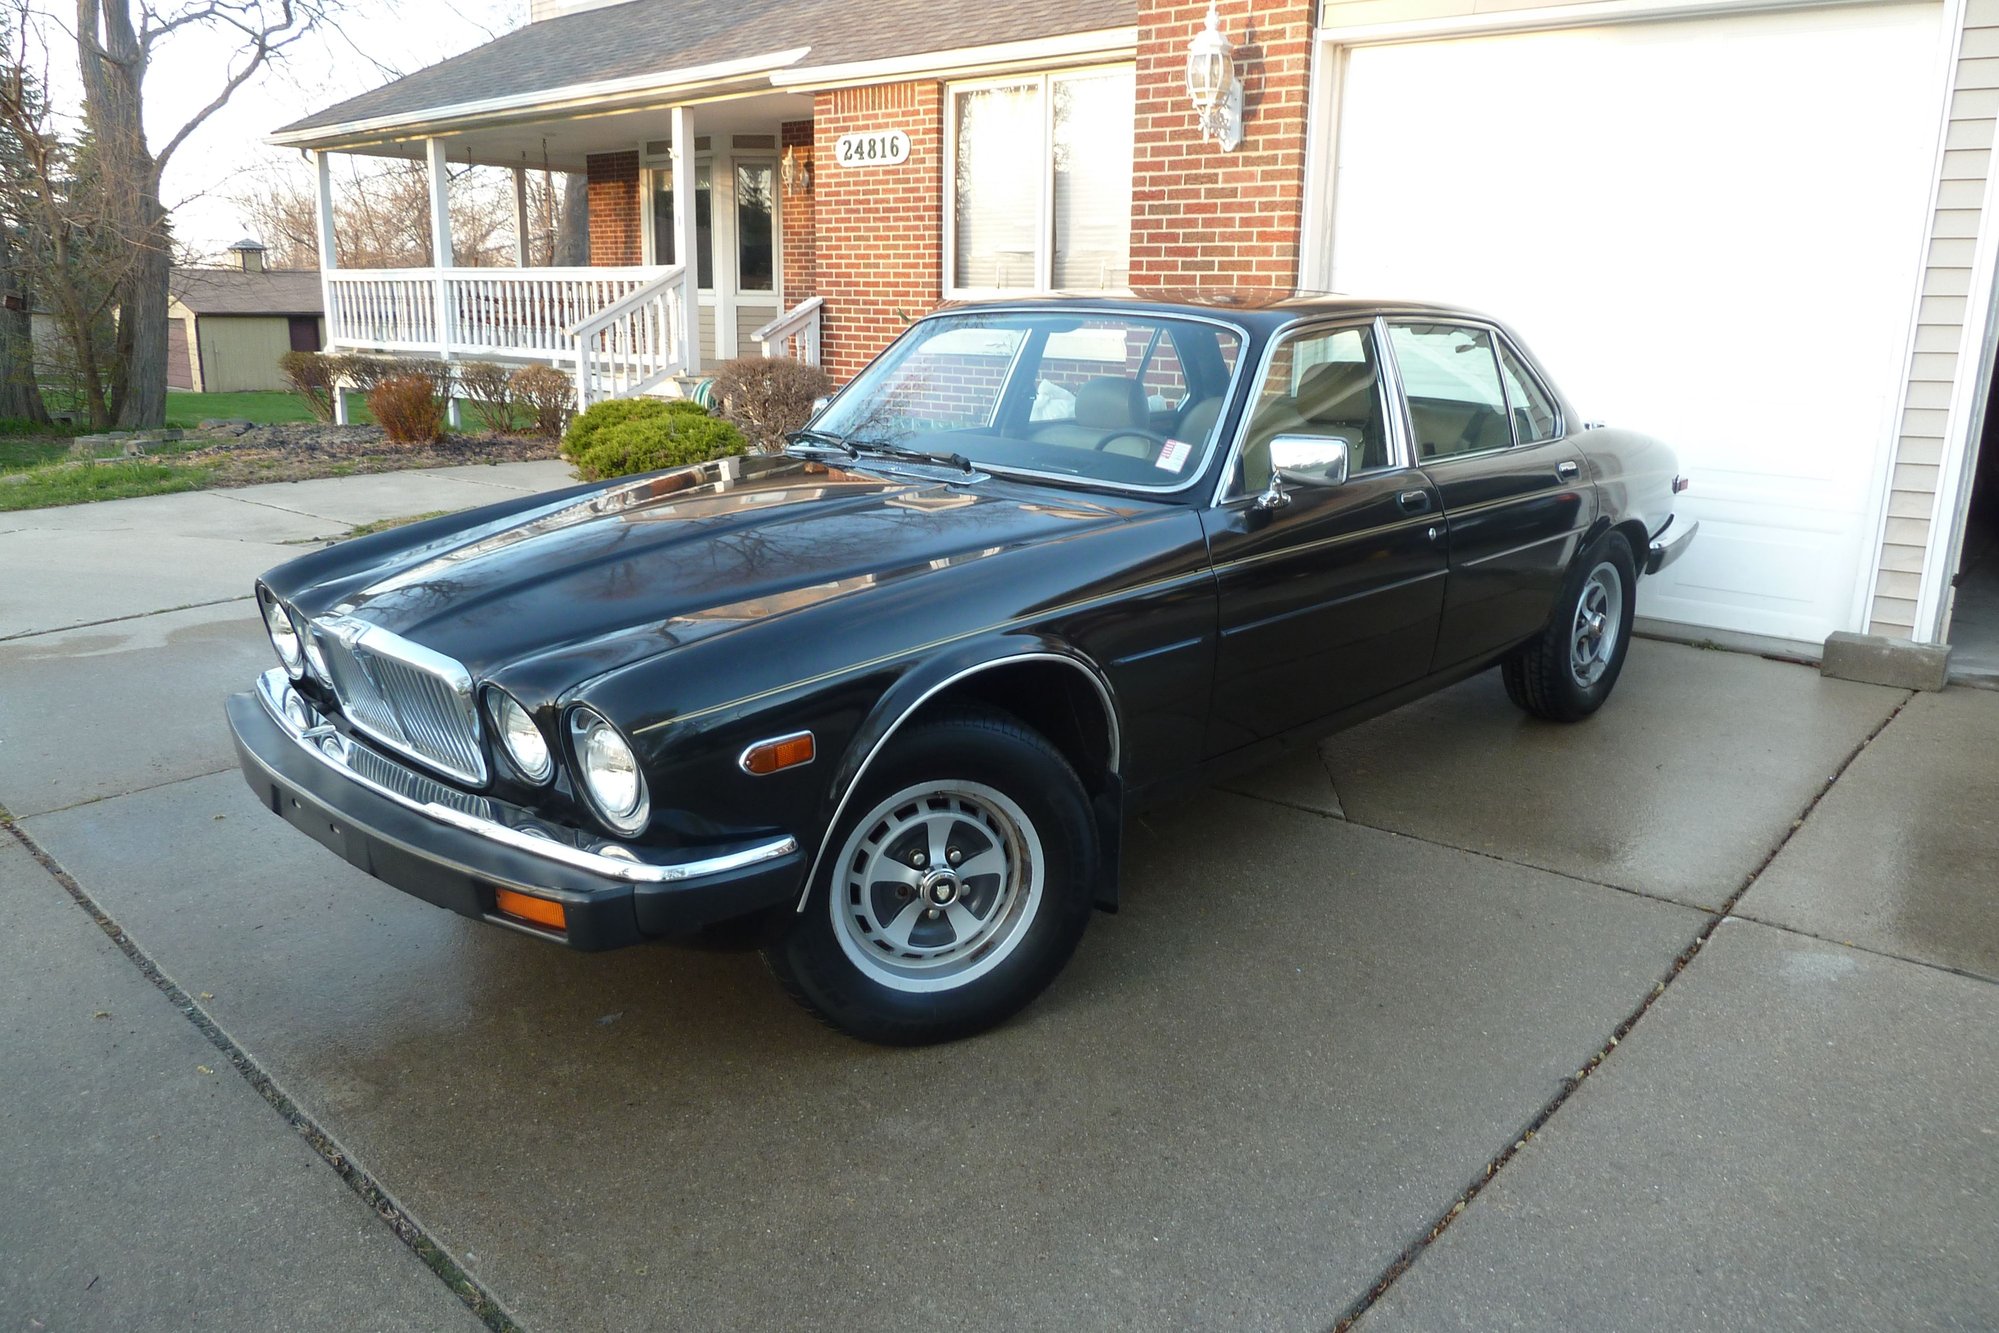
784 752
538 910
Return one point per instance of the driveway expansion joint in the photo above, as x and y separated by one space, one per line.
113 620
477 1297
1715 919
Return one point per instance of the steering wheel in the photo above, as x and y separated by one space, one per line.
1150 439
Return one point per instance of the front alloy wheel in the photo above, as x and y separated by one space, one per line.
955 888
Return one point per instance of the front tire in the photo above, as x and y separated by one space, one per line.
955 888
1566 673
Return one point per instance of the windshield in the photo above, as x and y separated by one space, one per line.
1125 400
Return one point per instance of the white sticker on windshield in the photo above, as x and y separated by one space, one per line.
1173 455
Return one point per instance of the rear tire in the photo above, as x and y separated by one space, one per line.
954 889
1567 672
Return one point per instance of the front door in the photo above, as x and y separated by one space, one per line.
1515 500
736 238
1332 597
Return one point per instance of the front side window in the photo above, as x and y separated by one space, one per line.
1325 383
1116 400
1456 404
1041 188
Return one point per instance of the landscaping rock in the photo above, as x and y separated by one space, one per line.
225 426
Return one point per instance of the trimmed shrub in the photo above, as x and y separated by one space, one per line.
583 431
548 396
363 373
408 409
489 388
311 376
768 397
627 435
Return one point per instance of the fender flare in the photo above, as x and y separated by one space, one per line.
923 682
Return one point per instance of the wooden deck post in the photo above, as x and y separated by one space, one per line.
440 251
684 238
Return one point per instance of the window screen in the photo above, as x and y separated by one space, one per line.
1093 128
997 194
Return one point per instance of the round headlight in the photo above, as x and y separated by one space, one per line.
610 771
284 636
520 737
315 656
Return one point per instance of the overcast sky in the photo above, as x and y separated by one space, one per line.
375 41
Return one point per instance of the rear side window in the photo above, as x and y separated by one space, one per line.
1533 411
1451 377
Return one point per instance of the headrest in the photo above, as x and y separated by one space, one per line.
1110 403
1332 382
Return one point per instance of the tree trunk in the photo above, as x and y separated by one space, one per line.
572 232
20 393
142 323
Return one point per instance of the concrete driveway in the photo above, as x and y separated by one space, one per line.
1683 1017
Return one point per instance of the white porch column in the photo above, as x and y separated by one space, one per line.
440 249
683 235
329 260
521 246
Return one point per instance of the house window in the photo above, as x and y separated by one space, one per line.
1041 183
755 246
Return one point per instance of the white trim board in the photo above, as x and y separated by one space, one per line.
1102 44
1588 15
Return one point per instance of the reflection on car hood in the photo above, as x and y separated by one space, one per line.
690 553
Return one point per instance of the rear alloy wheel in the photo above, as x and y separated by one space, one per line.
1567 672
954 890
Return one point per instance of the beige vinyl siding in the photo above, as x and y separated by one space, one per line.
1933 368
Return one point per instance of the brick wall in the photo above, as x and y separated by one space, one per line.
615 216
795 221
879 244
1202 217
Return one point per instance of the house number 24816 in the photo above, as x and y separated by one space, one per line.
882 148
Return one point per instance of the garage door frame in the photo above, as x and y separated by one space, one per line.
1326 99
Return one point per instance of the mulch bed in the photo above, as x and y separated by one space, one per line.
295 450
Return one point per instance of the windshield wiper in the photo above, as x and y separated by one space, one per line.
894 450
820 439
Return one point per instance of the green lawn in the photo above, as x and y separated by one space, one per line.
107 481
188 410
18 453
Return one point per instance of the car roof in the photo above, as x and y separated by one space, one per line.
1252 307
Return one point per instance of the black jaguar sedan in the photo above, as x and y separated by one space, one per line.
882 704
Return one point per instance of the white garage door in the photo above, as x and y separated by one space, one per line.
1710 230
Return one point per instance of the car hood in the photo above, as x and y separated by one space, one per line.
640 566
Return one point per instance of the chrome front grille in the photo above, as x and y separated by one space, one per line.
414 786
404 695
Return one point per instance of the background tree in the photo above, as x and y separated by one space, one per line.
20 391
115 45
381 215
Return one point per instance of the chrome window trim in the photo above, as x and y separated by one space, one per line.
272 686
1401 444
1089 672
1071 479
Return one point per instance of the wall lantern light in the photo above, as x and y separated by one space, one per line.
797 169
1213 85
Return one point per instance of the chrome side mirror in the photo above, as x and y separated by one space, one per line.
1274 495
1309 460
819 404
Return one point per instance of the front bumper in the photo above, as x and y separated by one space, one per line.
1665 550
457 851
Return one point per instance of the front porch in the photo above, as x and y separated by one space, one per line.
636 319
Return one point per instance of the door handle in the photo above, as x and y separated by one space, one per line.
1568 469
1413 502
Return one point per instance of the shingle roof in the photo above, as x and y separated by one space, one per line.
658 36
228 291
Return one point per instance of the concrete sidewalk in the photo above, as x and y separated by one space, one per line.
1340 998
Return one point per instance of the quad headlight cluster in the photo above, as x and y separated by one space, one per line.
607 768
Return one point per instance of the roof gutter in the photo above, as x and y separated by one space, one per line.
599 97
996 58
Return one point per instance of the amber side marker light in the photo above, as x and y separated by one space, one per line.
782 752
538 910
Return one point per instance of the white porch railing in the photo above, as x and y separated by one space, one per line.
618 328
795 333
633 343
